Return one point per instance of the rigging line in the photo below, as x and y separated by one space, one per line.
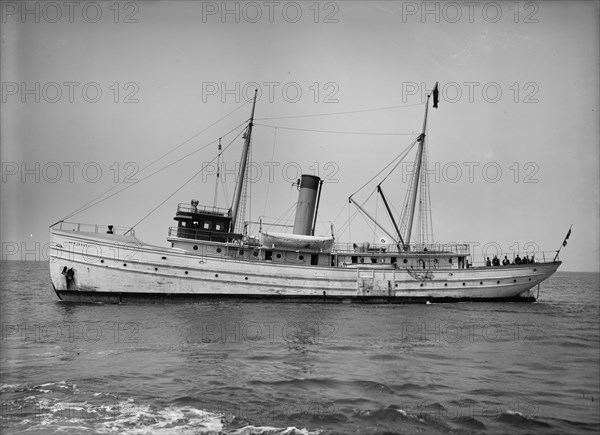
350 220
225 193
269 184
182 186
95 201
346 225
341 210
384 168
404 153
340 113
154 161
430 211
376 212
194 136
337 132
363 203
83 207
285 214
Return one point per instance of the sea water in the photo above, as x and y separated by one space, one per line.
277 368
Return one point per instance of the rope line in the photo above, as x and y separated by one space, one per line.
365 133
183 185
97 201
339 113
92 201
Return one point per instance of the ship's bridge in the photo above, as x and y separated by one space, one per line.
204 223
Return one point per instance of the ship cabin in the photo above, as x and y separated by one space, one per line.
204 223
206 231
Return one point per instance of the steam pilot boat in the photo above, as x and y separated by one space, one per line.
212 256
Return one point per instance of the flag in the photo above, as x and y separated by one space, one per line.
436 95
567 238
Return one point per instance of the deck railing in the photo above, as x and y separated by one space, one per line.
430 249
217 211
538 257
93 228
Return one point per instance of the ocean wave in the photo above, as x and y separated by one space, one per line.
517 419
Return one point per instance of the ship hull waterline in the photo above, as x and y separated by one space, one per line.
87 268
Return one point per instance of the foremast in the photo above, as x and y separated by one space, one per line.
242 172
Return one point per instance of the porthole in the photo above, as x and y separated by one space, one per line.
101 261
164 258
216 275
535 270
278 255
421 284
255 253
156 269
445 284
186 272
481 282
529 279
218 250
498 282
195 247
301 257
124 264
246 278
514 280
405 261
463 283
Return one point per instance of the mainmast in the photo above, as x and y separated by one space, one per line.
417 174
218 174
242 172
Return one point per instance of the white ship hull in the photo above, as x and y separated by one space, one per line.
95 267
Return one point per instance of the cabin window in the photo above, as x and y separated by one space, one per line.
207 225
354 259
182 223
195 223
314 259
393 260
373 260
218 226
269 255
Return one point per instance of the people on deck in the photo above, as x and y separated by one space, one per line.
488 262
496 261
517 259
505 261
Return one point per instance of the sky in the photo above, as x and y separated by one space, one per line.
93 92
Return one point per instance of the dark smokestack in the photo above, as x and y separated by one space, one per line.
305 210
